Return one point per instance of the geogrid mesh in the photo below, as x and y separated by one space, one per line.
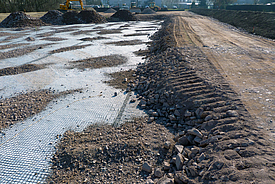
27 147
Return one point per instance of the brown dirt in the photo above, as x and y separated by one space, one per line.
54 39
109 31
121 79
141 52
126 42
65 49
123 15
21 51
110 154
84 32
12 45
99 62
136 34
93 38
20 69
24 105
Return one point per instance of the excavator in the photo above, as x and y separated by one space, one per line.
68 5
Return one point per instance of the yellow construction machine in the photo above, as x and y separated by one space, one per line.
153 6
68 5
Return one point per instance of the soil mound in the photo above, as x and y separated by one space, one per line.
53 17
148 11
71 17
258 23
20 19
111 10
91 16
124 15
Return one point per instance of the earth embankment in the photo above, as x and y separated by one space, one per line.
259 23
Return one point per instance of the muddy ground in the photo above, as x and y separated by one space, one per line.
215 138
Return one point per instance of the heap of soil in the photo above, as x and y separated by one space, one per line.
91 16
148 11
53 17
259 23
124 15
20 19
71 17
111 10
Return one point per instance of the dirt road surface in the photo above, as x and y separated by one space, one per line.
245 60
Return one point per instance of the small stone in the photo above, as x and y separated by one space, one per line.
199 112
183 141
232 113
179 148
177 113
115 94
151 119
197 140
180 177
209 117
149 181
125 79
167 145
201 157
179 161
219 164
166 181
30 39
166 166
172 117
158 173
155 114
187 113
194 132
146 167
193 171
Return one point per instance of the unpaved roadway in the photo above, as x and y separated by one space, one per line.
246 61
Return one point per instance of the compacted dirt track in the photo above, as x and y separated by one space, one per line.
246 61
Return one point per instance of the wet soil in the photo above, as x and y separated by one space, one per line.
24 105
65 49
126 42
21 69
99 62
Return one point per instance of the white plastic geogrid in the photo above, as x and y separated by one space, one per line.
26 148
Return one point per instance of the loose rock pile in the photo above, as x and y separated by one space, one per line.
123 15
111 10
91 16
53 17
148 11
20 19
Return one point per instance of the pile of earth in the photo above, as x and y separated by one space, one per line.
259 23
73 17
21 19
123 15
148 11
111 10
54 17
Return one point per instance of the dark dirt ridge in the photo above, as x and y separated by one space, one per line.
20 69
259 23
126 42
123 15
24 105
64 49
121 79
217 141
99 62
